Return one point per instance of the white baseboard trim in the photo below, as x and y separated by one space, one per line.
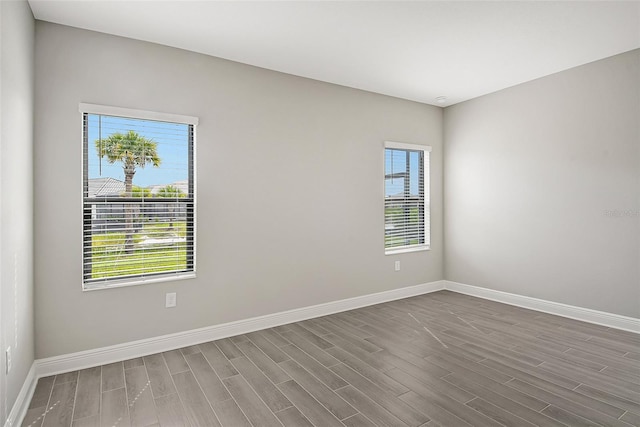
616 321
104 355
21 405
114 353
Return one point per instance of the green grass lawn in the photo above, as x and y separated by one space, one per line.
109 258
393 239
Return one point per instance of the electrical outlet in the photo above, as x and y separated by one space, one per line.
8 359
397 265
170 300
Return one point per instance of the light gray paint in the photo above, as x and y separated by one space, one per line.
16 206
415 50
290 189
532 175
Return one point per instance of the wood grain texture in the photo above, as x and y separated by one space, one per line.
207 378
387 400
175 361
112 376
142 410
441 359
228 348
42 392
159 376
262 361
292 417
61 403
263 387
92 421
323 394
368 407
133 363
114 410
254 408
194 402
267 347
171 412
324 374
308 406
230 414
88 393
310 348
358 420
218 361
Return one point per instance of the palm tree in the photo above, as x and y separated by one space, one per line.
137 211
132 150
171 192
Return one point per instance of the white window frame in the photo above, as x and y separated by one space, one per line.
426 149
96 109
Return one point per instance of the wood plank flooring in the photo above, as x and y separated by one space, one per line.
441 359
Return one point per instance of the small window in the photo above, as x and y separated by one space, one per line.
406 197
138 196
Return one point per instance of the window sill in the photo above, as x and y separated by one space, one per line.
403 250
98 286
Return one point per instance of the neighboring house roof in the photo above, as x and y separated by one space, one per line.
105 187
111 187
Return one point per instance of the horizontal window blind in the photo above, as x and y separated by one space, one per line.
138 200
406 207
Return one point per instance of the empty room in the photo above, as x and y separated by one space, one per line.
319 213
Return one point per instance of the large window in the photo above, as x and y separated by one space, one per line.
138 196
406 197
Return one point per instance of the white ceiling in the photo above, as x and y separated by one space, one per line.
412 50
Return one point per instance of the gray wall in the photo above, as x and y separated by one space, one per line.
533 174
16 206
290 189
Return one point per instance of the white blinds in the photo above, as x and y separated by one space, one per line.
406 207
138 200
